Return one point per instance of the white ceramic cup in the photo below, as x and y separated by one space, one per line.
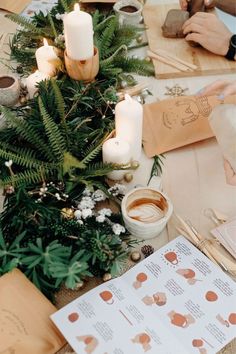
128 18
137 196
9 90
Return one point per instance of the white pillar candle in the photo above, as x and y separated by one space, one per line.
46 58
129 124
118 152
78 29
33 79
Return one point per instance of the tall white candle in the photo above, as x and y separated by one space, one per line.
118 152
78 29
129 124
33 79
46 58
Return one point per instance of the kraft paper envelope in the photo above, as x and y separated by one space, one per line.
173 123
16 6
25 326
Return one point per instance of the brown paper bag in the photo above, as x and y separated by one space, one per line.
172 123
16 6
25 326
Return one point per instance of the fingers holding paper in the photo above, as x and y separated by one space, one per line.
221 88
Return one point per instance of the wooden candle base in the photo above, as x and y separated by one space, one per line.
85 70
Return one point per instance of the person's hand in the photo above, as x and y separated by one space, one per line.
184 4
230 174
207 30
220 88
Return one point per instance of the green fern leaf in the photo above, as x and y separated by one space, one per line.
65 5
92 154
53 133
25 178
71 162
25 130
59 100
26 24
54 31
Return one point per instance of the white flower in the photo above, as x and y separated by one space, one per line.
80 222
86 203
100 218
87 192
8 163
59 16
118 229
57 195
105 212
99 195
117 189
86 213
78 214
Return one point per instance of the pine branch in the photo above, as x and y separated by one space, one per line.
107 37
134 65
121 50
61 108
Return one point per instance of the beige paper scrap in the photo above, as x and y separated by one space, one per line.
15 6
25 326
176 122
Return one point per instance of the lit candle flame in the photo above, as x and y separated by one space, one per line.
76 7
45 42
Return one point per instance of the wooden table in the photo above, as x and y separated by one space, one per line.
193 176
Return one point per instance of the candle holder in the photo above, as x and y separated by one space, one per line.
85 70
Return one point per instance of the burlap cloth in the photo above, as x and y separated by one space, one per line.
65 296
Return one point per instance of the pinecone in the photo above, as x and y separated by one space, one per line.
147 250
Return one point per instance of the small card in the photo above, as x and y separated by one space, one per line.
226 234
14 6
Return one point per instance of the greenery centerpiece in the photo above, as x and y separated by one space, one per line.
58 223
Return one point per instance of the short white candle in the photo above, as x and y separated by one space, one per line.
118 152
33 79
46 58
129 124
78 29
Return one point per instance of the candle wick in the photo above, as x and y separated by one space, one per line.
128 98
76 7
45 42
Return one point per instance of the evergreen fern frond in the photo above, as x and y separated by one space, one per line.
106 37
53 133
59 100
24 178
65 5
122 49
103 24
134 65
92 154
96 18
54 31
97 169
23 157
25 23
25 130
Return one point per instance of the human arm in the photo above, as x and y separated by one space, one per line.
207 30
